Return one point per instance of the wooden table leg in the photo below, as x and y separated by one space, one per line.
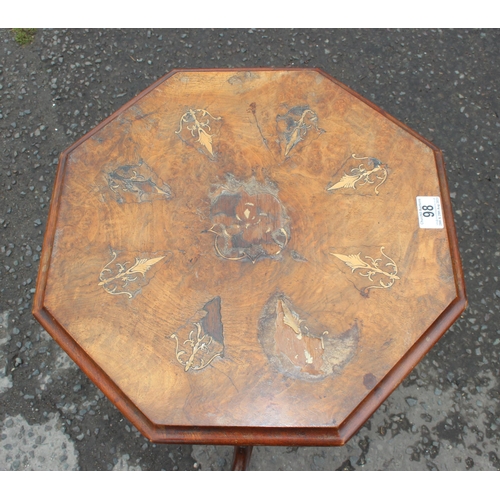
241 457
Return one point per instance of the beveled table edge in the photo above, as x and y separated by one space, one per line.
244 436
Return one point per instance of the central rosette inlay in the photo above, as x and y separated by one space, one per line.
249 222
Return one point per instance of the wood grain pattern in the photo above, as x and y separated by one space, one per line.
257 236
241 457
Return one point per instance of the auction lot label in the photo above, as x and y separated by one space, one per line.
430 215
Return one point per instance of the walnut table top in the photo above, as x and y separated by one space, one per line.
249 257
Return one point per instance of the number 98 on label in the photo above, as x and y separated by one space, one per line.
430 215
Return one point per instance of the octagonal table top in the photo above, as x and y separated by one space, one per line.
249 256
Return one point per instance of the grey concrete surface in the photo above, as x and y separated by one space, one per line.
442 83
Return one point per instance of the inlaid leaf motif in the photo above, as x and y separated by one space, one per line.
378 173
355 262
143 265
205 140
204 342
290 320
136 183
114 284
347 181
295 138
199 126
297 125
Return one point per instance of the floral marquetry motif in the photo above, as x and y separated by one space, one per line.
205 340
249 222
198 128
360 176
127 279
298 125
238 257
136 184
371 268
